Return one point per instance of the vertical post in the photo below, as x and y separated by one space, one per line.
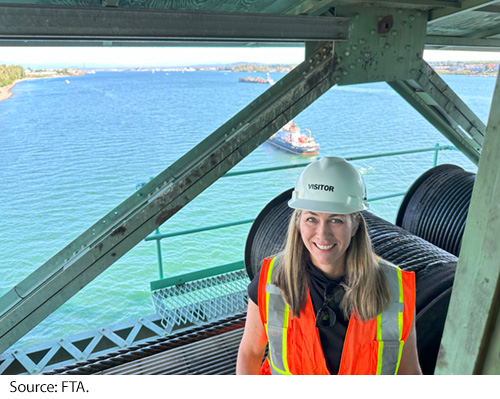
436 155
158 253
470 343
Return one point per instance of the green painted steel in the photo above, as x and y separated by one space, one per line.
198 275
452 104
110 26
470 343
433 114
463 41
385 44
159 255
463 7
160 236
352 158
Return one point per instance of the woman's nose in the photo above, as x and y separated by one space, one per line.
323 230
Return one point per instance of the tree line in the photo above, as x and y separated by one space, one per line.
10 73
258 68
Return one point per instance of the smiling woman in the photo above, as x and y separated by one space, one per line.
327 304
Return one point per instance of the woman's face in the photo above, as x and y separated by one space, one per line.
327 237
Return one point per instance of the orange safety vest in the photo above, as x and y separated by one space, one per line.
371 347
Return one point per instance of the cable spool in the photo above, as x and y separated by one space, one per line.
268 232
434 267
435 207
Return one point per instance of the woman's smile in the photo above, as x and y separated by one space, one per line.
325 247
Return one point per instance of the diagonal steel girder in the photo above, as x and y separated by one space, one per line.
471 336
429 94
63 25
53 283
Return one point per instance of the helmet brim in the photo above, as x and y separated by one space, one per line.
326 207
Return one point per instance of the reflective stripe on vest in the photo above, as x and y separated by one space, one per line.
389 325
277 324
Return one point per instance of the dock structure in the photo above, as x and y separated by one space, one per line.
345 42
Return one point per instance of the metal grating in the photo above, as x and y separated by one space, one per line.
201 301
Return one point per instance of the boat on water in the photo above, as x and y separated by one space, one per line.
258 79
291 139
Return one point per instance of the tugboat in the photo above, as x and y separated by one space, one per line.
290 138
258 79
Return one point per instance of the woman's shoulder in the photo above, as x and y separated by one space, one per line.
393 272
384 264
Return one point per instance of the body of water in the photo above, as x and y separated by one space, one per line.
71 152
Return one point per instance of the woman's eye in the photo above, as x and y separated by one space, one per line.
311 220
337 221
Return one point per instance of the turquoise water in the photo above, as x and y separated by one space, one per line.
69 153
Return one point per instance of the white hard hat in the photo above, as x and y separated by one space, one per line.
330 185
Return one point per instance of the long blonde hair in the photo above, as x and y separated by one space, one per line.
367 291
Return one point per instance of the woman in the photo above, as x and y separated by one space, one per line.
327 304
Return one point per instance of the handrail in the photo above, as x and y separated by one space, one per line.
436 149
158 236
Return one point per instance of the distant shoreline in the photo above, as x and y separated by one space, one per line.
5 92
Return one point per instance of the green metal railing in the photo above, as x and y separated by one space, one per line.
158 236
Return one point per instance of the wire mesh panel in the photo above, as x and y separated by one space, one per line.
199 301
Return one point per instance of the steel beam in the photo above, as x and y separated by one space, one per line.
461 42
471 343
108 25
439 14
436 101
384 44
48 287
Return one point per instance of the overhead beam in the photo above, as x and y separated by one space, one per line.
483 42
396 4
142 43
62 276
484 34
470 342
446 41
465 6
108 25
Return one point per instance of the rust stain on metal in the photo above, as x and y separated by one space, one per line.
119 231
385 24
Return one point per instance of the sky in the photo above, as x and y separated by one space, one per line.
95 57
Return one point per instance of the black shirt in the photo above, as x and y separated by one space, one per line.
331 338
